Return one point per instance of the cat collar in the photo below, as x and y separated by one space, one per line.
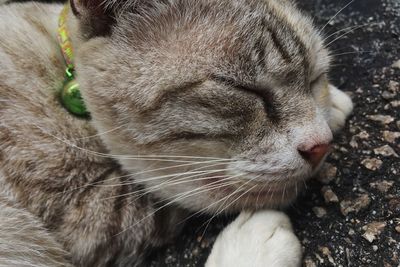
70 94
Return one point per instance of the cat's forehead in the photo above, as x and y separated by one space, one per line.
246 39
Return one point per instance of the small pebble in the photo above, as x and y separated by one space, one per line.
327 174
388 95
372 164
373 230
382 186
386 151
394 86
353 142
363 135
356 205
394 205
395 103
329 195
205 244
320 212
396 64
391 136
327 253
309 263
384 119
196 251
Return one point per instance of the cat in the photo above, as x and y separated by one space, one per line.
208 106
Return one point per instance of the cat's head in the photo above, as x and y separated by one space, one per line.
212 104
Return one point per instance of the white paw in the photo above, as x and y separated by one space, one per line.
342 106
261 239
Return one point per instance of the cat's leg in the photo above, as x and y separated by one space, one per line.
261 239
341 108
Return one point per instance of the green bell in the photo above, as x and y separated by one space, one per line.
72 100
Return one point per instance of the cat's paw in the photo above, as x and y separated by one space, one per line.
342 106
260 239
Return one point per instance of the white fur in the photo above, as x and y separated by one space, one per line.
261 239
342 106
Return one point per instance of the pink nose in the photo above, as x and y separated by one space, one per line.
316 154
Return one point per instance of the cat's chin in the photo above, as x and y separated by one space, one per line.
256 198
233 199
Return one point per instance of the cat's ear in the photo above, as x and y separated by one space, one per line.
96 16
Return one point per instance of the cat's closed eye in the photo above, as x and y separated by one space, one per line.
263 94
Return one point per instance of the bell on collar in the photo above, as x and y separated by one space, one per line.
72 100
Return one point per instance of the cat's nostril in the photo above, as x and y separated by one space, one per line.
316 154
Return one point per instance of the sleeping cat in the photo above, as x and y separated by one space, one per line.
207 106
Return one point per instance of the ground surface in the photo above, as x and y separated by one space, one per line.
349 217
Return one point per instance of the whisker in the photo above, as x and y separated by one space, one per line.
334 16
353 27
305 184
250 180
154 188
240 197
165 158
204 186
284 192
261 190
100 134
173 175
343 35
354 52
188 194
224 199
98 184
211 205
207 178
272 195
219 211
215 185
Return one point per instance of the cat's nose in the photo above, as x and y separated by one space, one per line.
316 154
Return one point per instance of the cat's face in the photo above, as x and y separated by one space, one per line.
211 104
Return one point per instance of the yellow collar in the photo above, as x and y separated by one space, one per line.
70 94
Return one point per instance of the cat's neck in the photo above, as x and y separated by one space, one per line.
28 34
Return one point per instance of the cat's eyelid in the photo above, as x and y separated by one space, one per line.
263 93
233 83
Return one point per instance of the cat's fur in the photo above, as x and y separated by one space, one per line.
205 80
